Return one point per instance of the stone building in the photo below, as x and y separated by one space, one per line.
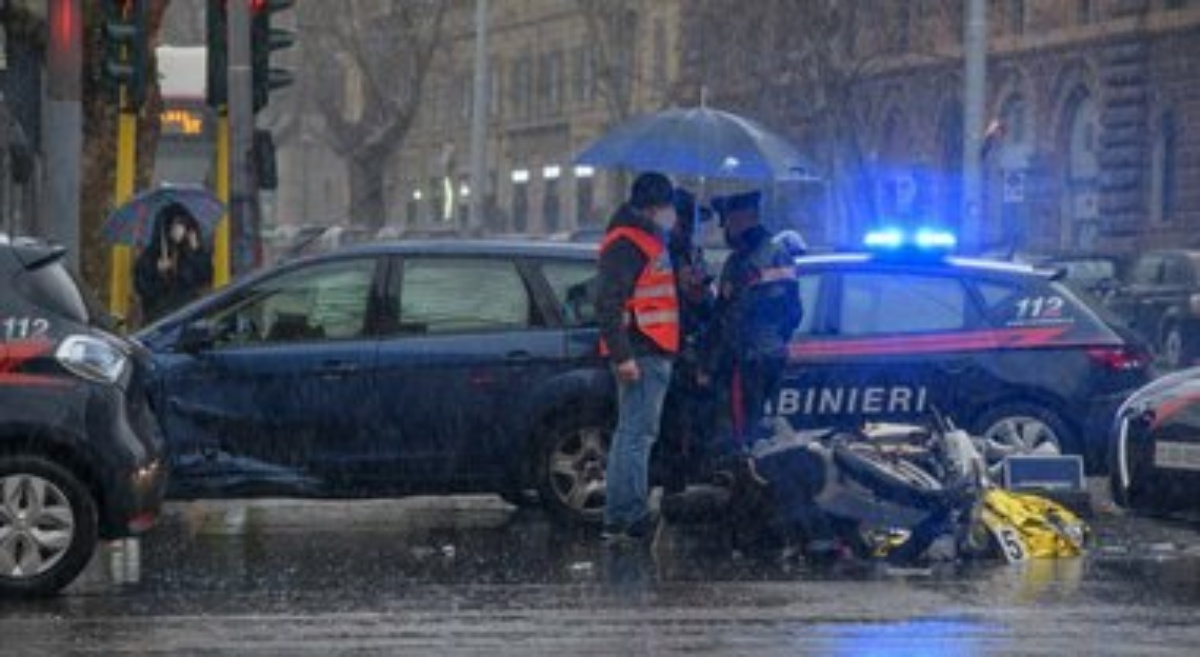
22 91
561 72
1096 101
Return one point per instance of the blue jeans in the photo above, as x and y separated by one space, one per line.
639 412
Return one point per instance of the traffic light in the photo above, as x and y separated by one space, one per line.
264 40
217 39
127 48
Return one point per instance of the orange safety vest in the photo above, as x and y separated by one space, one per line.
653 308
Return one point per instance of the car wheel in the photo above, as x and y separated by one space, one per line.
570 475
1022 428
47 526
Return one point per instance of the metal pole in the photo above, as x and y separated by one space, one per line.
242 214
221 240
63 136
974 100
122 259
479 108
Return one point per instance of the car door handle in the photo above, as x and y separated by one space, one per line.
955 367
336 368
518 357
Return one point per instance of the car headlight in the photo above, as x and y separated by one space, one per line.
92 358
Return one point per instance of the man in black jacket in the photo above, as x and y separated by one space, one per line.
638 312
758 308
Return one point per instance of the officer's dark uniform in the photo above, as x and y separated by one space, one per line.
689 424
757 309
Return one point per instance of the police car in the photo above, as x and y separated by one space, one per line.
1006 350
1156 446
81 453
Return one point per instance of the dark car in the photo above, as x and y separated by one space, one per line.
455 366
1005 350
1156 446
407 367
1161 301
1096 274
81 454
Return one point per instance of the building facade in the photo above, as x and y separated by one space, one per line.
560 73
22 91
1092 103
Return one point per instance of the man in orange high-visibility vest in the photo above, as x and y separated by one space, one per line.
638 312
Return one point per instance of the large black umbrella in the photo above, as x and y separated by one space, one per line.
701 142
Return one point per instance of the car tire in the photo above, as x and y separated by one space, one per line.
50 518
1029 423
571 460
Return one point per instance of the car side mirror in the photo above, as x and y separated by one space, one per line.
198 336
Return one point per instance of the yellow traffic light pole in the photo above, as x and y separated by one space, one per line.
221 239
121 262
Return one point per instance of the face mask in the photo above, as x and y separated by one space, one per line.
665 219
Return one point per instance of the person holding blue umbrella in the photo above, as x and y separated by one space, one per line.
175 267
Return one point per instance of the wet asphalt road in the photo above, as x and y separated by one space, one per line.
474 576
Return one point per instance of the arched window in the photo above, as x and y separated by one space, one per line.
1081 188
950 130
1163 172
1015 116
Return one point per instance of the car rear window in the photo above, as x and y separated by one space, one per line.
574 285
1013 305
456 295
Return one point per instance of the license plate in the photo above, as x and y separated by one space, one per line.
1177 456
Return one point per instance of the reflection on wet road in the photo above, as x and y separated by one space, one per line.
471 575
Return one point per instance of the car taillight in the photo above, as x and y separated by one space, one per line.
1121 358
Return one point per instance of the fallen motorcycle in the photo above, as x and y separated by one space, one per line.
900 493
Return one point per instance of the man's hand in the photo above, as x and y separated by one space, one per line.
628 370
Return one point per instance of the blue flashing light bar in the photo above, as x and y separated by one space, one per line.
923 239
935 239
887 238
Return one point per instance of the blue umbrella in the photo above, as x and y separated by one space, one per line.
700 142
133 223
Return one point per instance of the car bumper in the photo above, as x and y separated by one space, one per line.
134 478
1155 473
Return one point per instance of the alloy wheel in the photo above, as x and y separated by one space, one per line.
37 526
577 467
1018 434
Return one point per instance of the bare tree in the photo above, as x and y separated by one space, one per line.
612 32
368 60
807 65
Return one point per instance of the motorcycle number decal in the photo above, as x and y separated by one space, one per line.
1011 543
